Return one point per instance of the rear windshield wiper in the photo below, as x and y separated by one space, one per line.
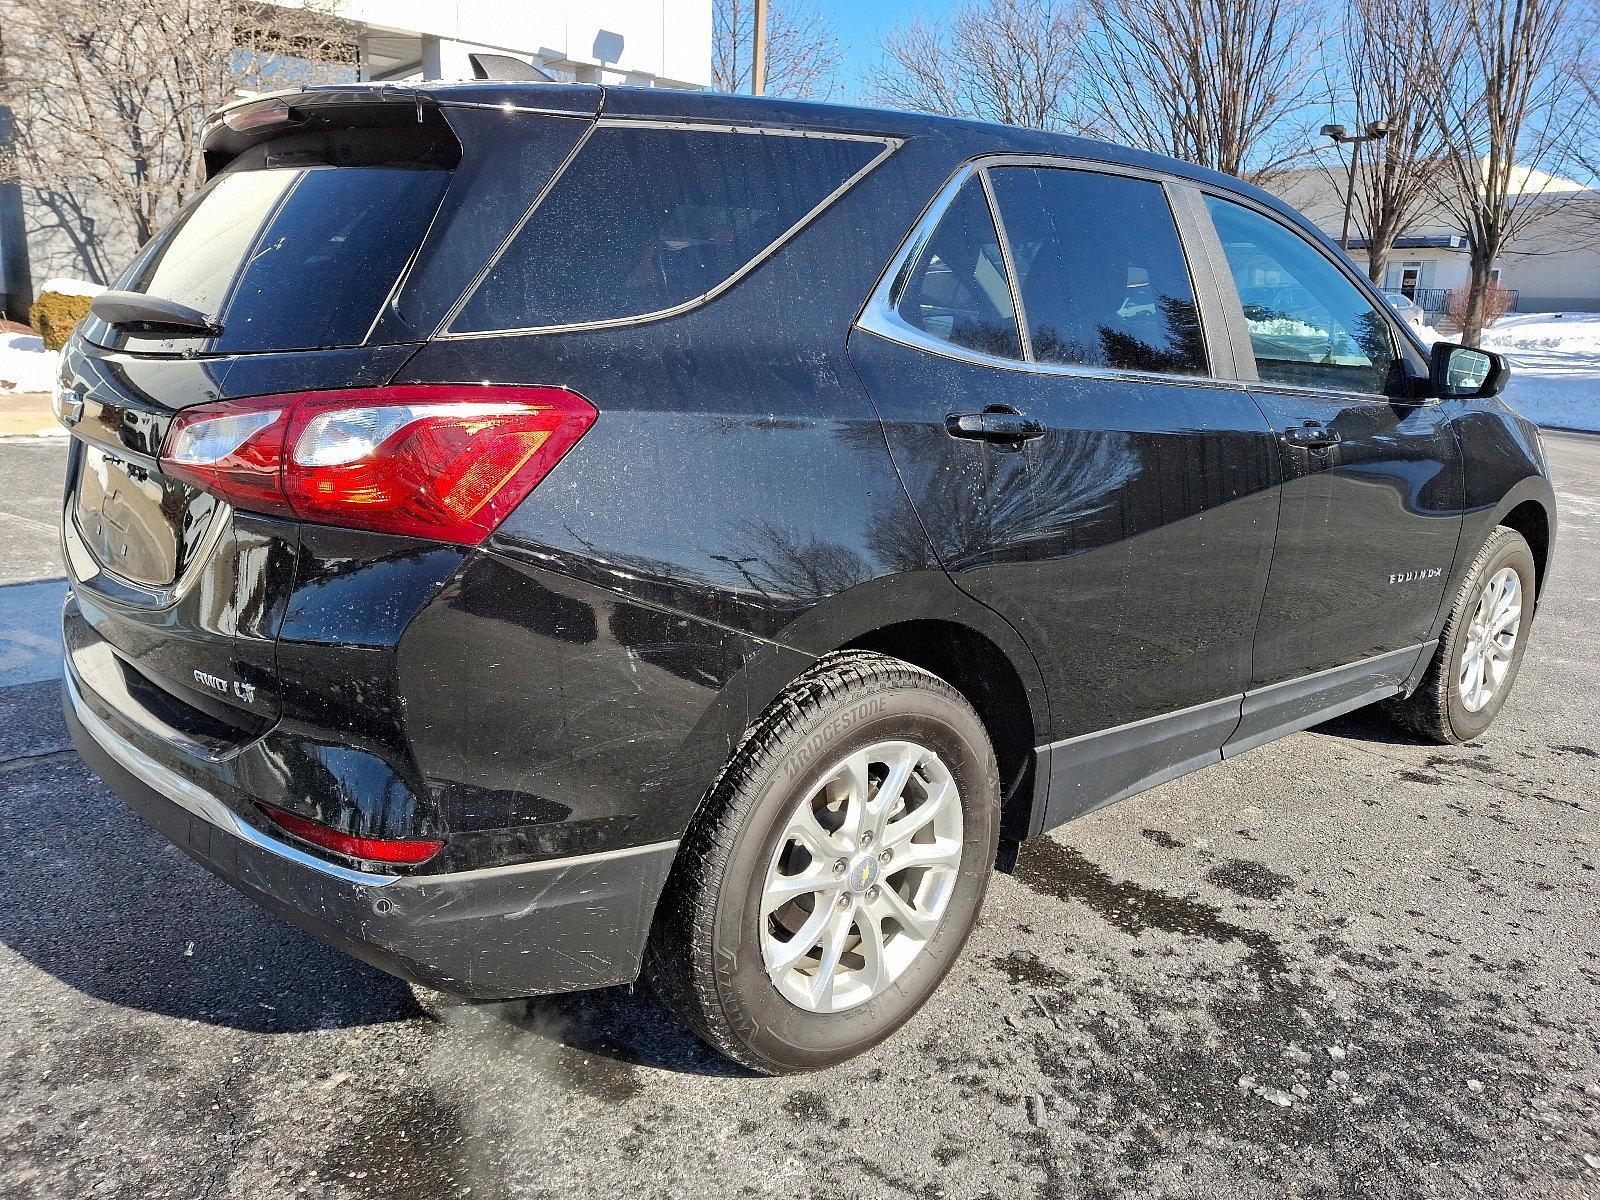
134 312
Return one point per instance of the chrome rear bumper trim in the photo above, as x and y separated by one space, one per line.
196 799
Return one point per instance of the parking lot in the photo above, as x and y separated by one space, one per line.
1344 964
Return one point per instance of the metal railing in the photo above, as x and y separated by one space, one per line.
1438 299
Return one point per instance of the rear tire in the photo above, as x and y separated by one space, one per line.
865 761
1480 648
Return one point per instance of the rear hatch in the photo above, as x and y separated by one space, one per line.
336 231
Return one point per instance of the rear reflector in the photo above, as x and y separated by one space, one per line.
406 852
434 461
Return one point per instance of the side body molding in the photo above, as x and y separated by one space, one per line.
1097 769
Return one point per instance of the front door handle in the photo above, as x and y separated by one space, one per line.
994 426
1311 436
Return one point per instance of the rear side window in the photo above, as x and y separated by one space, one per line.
292 258
646 218
1309 325
1100 270
956 289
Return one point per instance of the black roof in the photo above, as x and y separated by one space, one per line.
967 138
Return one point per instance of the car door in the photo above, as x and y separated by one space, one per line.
1371 512
1122 517
937 349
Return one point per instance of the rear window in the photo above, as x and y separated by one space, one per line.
646 218
292 258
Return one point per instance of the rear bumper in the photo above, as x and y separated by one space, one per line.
526 929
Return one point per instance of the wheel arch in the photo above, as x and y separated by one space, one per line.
1536 524
983 673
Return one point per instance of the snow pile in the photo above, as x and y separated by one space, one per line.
71 287
1555 366
1574 331
25 365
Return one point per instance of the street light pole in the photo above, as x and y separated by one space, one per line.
1375 131
758 51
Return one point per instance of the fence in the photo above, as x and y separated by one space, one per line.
1435 300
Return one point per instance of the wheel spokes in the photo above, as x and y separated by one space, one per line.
781 889
917 922
805 829
785 954
898 832
874 973
940 852
891 809
838 932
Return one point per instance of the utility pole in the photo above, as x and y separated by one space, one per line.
758 51
16 286
1374 131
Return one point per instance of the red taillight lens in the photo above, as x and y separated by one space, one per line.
432 461
402 851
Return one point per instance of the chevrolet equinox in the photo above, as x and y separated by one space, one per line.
535 536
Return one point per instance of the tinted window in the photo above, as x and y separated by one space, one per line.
956 289
644 219
1309 325
1100 270
292 259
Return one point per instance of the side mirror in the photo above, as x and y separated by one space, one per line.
1462 373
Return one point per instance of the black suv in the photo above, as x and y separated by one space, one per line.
533 535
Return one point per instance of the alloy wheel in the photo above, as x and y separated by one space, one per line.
1491 639
861 876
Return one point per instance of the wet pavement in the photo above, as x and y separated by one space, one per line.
1343 965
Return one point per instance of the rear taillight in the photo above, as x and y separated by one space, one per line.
401 851
433 461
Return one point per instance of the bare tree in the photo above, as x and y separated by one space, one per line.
1508 116
1395 57
111 97
1216 82
803 51
1587 153
999 60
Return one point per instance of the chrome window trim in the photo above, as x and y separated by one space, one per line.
507 107
445 332
1008 264
879 315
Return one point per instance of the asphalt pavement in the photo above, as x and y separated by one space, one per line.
1346 964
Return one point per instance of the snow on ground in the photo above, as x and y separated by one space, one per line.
1555 366
25 365
71 287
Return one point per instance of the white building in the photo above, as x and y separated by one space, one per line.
1553 266
647 43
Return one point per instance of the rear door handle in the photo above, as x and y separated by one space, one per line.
1311 436
1009 427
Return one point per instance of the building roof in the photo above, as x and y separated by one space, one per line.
1433 241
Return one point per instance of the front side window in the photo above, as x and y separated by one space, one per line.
956 289
1309 325
646 218
1100 270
